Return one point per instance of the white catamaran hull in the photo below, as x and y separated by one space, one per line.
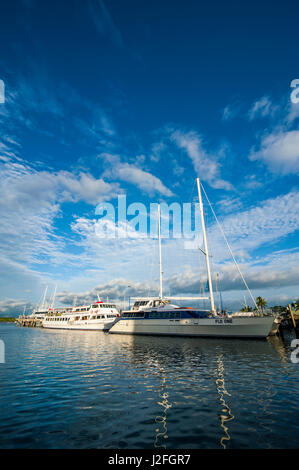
254 327
84 325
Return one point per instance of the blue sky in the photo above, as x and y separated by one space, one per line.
138 98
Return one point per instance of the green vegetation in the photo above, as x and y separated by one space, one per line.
246 309
277 309
7 319
261 303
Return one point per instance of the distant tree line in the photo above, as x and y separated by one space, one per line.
262 303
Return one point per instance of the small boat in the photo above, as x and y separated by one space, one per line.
97 316
158 316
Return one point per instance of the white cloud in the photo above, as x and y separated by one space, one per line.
279 151
118 252
279 272
251 182
102 259
229 204
84 187
292 113
14 307
261 108
36 106
104 22
206 165
115 290
130 173
29 207
27 210
22 184
268 222
144 180
278 147
229 112
246 231
249 230
17 279
157 149
283 110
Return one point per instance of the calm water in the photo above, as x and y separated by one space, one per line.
80 389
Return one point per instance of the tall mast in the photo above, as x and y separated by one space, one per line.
54 295
205 245
160 253
44 298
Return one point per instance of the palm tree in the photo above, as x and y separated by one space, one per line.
246 309
261 303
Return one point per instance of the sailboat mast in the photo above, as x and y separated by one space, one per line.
160 253
54 295
44 298
205 246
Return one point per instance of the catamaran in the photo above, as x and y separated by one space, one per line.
158 316
97 316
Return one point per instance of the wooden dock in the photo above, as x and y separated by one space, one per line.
29 322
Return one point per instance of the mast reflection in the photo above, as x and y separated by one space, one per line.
226 415
161 420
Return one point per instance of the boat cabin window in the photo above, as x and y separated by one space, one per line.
198 313
140 303
134 315
164 315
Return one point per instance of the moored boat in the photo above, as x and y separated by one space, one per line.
157 316
97 316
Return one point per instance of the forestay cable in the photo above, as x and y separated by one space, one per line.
228 245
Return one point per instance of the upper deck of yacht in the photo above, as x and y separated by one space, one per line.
145 303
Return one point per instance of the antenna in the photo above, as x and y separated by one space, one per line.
160 253
205 245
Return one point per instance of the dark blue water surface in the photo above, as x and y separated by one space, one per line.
85 389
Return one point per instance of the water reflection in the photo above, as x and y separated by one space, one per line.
226 415
71 389
161 420
279 345
190 364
